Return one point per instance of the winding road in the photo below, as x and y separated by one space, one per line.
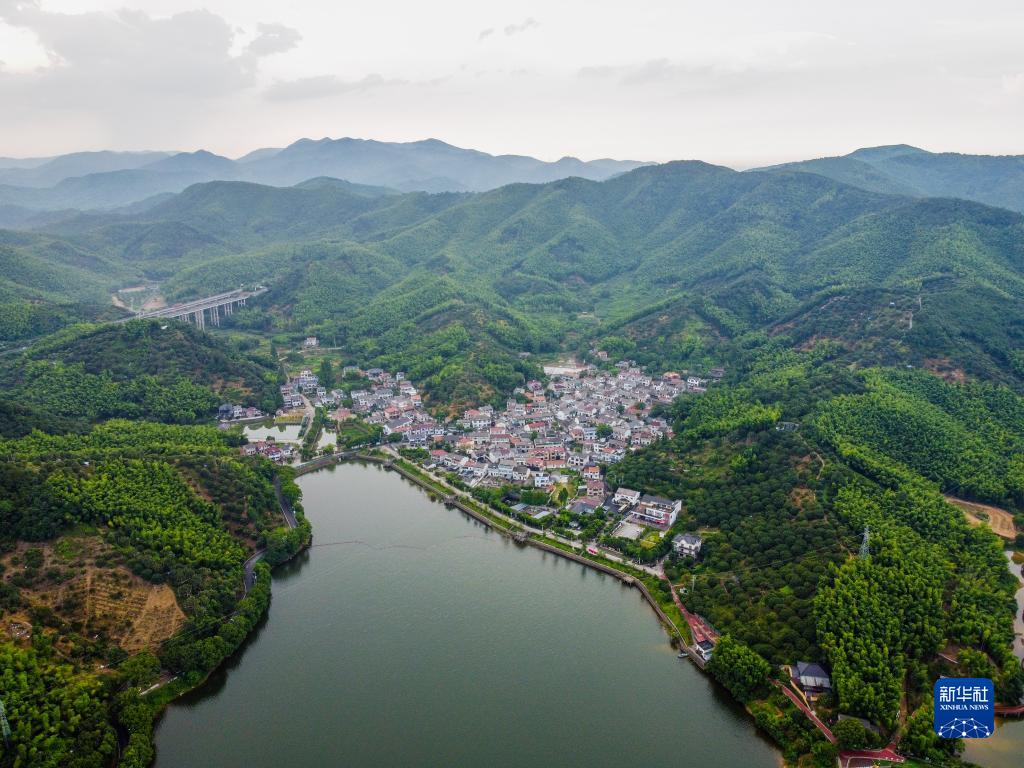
249 575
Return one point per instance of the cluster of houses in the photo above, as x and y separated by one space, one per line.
583 419
232 412
298 388
392 402
580 422
280 452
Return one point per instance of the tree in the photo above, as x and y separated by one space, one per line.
604 431
851 734
975 664
825 754
326 374
141 669
743 671
919 737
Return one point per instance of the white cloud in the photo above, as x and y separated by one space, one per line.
110 60
1013 84
738 83
273 38
515 29
323 86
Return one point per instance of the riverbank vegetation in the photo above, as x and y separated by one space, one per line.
864 459
170 506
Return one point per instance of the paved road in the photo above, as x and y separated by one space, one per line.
848 758
610 555
864 758
286 508
249 575
826 731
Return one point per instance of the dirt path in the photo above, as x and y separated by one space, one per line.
999 520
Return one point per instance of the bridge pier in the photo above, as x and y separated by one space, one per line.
195 311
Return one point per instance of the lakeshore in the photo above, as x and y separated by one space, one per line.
522 535
537 660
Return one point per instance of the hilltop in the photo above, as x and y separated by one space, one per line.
146 369
902 169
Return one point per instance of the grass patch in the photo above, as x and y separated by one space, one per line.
353 432
650 540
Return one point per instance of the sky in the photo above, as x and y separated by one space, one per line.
737 82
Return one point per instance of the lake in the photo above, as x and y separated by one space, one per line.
412 635
1006 748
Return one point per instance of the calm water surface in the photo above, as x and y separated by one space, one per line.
283 433
422 639
1006 748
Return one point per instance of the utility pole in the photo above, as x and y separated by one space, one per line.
5 727
865 552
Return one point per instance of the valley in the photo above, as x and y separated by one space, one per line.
768 396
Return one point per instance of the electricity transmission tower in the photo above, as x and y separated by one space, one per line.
865 552
5 727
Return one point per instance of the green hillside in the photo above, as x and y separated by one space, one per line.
885 328
901 169
173 507
782 513
672 264
151 369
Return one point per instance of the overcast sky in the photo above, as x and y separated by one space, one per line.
738 82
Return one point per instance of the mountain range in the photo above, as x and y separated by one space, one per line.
103 180
671 264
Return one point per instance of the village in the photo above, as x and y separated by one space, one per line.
545 453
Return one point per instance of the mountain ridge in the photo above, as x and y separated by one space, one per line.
108 180
903 169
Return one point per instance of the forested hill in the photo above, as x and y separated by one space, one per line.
674 259
122 555
679 258
784 471
149 369
991 179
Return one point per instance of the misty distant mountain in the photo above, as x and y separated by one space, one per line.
96 180
259 154
45 172
107 190
901 169
22 162
428 166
